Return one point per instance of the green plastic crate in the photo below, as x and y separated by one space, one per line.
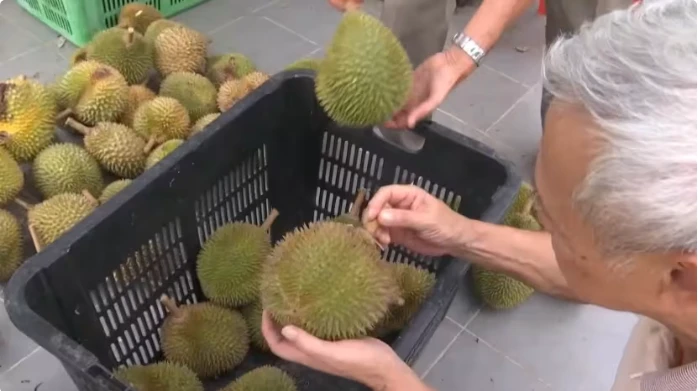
79 20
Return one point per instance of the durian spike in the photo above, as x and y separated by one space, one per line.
35 239
371 226
130 35
171 306
529 204
63 115
139 13
23 204
358 203
270 219
90 197
148 147
78 127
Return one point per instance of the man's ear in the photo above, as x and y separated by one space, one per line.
683 276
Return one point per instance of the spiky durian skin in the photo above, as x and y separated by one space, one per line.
253 316
157 27
180 49
11 177
366 75
523 195
161 152
230 263
305 63
264 378
498 290
220 69
203 122
207 338
139 16
415 286
27 117
192 90
163 118
137 95
94 91
113 188
58 214
11 256
67 168
328 279
117 148
231 92
160 376
255 79
132 57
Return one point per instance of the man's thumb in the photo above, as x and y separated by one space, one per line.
302 340
400 218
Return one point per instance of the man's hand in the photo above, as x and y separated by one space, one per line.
411 217
368 361
432 82
344 5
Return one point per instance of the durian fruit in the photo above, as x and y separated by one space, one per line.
139 16
208 339
125 50
113 188
203 122
366 75
11 255
230 262
93 92
415 285
231 92
67 168
137 95
11 177
305 63
158 26
53 217
264 378
255 79
253 317
27 117
79 55
161 119
116 147
496 289
160 376
180 49
220 69
193 91
328 279
161 152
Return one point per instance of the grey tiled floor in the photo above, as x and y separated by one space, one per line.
545 344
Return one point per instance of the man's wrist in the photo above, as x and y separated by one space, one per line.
459 62
400 378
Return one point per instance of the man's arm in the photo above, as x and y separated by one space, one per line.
525 255
485 28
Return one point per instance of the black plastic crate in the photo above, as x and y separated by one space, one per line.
275 149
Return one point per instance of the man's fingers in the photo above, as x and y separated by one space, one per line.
393 196
401 218
422 110
305 342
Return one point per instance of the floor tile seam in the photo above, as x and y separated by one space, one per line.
510 109
39 41
500 73
290 30
441 355
458 119
525 368
224 25
18 363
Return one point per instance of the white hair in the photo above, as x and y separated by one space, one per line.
634 71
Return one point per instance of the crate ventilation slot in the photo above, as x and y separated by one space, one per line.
127 302
112 8
241 194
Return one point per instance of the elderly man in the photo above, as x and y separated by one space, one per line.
616 192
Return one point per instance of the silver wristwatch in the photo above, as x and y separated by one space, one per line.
470 47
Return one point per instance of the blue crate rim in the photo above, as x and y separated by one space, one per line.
81 359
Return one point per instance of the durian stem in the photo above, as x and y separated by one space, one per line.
139 13
4 137
63 115
77 126
270 219
150 145
90 197
130 35
171 305
24 205
358 203
35 239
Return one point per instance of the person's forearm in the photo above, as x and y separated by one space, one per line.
486 27
525 255
403 379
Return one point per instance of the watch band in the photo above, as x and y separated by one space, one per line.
470 47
